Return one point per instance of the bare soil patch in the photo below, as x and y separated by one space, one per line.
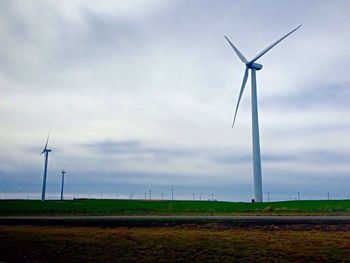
186 243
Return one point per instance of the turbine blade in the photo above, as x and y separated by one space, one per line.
240 93
272 45
244 60
47 140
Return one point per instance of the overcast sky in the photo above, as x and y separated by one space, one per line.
140 95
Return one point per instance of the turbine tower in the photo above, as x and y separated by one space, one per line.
63 172
254 103
46 152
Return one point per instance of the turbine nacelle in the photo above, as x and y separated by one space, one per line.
255 66
46 150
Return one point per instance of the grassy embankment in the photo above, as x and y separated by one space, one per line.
141 207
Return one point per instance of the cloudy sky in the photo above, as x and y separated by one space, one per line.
140 95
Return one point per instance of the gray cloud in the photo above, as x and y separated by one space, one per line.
316 156
134 148
142 92
332 96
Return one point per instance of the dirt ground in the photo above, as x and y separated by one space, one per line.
189 243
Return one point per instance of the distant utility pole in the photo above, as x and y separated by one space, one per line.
298 196
132 196
172 193
212 197
200 198
145 195
194 196
116 196
161 196
101 195
150 194
268 197
328 195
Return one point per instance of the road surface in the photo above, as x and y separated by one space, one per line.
170 220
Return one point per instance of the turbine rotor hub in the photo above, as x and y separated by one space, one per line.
255 66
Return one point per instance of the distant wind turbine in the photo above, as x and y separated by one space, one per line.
46 152
255 123
63 173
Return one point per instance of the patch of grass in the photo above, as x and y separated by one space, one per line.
142 207
267 209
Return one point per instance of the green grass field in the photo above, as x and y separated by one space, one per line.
142 207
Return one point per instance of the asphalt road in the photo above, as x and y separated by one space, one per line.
170 220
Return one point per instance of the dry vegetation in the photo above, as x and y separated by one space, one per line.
211 243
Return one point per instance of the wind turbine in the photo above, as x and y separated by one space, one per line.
63 173
255 122
46 152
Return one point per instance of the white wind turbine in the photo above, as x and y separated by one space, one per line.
255 122
62 185
46 152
